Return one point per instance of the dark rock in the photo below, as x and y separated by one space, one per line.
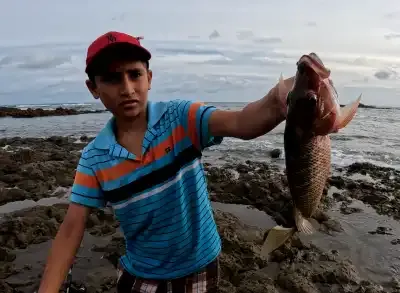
275 153
395 241
39 112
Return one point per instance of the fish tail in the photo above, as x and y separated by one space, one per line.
302 224
277 236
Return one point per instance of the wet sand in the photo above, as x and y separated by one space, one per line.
356 247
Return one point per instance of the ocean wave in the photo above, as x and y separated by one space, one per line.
36 61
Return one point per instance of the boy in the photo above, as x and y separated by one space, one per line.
146 163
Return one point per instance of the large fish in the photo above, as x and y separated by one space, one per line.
313 113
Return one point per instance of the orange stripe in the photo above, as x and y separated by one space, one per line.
192 129
117 171
86 180
159 150
153 154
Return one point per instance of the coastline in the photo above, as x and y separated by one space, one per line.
248 199
33 111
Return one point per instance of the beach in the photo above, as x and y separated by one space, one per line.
356 247
226 54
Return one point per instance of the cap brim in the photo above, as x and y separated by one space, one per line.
119 51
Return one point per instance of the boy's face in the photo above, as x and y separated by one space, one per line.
123 88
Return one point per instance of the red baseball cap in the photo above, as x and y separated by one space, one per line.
112 38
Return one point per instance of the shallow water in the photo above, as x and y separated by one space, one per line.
36 254
373 254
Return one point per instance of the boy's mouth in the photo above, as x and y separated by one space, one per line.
128 103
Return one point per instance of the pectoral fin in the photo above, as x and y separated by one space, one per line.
276 237
347 114
302 224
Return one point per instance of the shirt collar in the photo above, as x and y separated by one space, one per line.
106 137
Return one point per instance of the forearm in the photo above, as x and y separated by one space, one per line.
62 253
260 117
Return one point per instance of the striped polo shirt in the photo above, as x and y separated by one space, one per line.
160 198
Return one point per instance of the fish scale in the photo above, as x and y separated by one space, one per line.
307 169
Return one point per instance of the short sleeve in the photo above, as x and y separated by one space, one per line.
195 118
86 189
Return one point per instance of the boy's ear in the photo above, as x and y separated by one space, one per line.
92 88
149 77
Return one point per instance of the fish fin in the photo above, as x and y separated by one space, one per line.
302 224
282 89
276 237
347 114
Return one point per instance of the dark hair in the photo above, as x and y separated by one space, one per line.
118 52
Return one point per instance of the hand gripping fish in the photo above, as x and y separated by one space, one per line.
313 113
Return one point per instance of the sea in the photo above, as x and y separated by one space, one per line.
225 74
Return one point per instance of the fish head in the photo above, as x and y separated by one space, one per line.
313 103
306 101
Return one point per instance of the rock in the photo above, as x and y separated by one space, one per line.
39 224
5 288
34 168
100 280
6 255
381 231
39 112
275 153
12 194
395 242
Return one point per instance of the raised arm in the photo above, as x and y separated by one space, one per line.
256 118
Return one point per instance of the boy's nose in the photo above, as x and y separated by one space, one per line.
127 85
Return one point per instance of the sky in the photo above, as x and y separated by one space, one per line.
358 31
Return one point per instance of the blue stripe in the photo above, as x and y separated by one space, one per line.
86 201
167 210
105 163
191 178
84 168
87 191
180 255
183 110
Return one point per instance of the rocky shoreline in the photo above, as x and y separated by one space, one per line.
38 169
40 112
15 112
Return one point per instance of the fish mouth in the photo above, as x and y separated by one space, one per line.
311 79
314 63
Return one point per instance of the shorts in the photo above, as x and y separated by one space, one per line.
203 281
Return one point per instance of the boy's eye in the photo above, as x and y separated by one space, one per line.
134 74
116 77
113 77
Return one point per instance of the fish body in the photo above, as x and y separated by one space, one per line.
313 113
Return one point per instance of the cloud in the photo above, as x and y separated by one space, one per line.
267 40
392 36
244 34
385 74
311 23
214 35
392 15
249 35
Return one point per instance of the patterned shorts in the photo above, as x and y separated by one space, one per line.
204 281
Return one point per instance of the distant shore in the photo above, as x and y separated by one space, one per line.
40 112
15 112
